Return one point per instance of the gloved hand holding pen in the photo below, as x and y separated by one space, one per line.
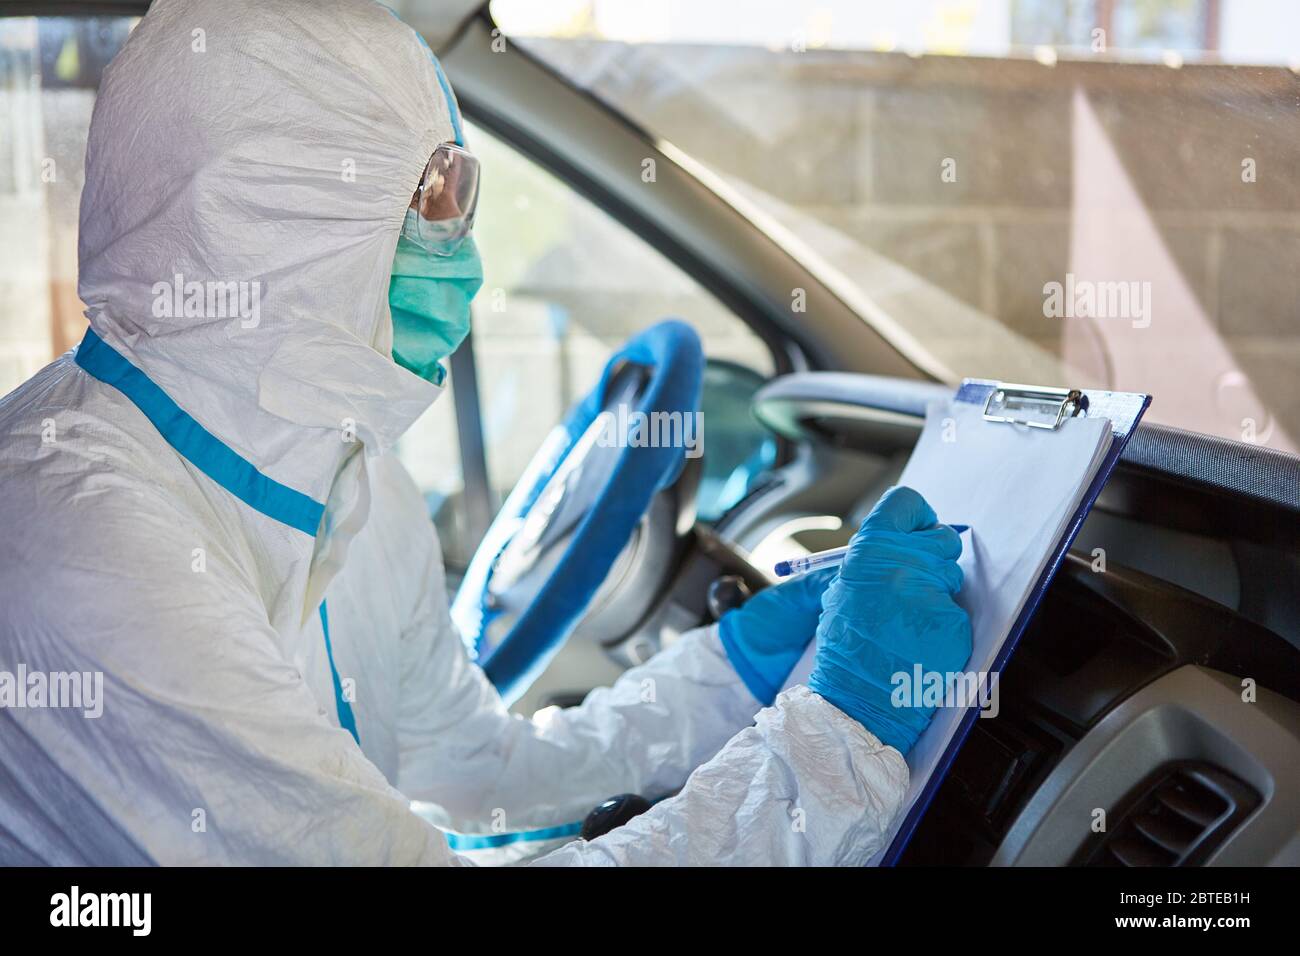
891 607
766 637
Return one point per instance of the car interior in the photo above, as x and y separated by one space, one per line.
1178 601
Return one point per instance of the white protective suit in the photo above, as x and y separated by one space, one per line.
177 498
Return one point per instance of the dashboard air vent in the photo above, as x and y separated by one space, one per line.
1177 817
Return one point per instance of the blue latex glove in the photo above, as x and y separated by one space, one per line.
765 637
890 608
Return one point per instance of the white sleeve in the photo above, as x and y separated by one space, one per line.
796 783
462 750
805 786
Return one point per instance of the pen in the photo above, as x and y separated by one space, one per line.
827 559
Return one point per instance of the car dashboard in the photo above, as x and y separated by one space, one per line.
1150 715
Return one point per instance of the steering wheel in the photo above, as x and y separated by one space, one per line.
577 504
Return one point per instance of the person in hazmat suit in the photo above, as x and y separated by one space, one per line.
207 536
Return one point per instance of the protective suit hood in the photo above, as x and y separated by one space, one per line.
248 168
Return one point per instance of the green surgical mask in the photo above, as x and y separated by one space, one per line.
429 298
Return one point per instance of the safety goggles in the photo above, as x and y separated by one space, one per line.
444 202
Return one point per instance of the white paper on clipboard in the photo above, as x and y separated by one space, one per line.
1017 488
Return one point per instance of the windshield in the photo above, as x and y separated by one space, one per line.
1084 192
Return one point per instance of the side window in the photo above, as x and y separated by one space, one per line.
49 70
564 286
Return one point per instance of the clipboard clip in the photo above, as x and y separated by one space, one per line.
1034 406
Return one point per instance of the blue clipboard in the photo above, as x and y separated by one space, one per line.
1008 403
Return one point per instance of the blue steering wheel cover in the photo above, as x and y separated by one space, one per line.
671 350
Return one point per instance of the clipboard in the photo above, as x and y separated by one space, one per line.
1008 404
